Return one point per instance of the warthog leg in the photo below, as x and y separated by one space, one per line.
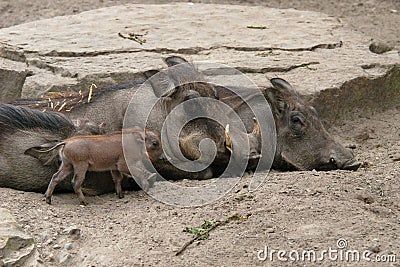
64 170
142 176
117 177
80 172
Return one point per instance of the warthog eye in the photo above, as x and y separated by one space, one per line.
297 123
154 143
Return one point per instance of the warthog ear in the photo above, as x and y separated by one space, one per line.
280 95
149 73
79 122
174 60
139 135
46 159
162 84
284 87
281 84
277 101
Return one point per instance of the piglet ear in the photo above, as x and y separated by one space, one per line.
140 135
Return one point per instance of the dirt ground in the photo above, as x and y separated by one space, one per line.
292 210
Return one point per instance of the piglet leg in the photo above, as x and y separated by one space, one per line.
117 177
64 170
80 172
142 177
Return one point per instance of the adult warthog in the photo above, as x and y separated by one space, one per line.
166 90
23 128
302 141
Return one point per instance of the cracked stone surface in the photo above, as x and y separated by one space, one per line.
318 54
12 78
16 247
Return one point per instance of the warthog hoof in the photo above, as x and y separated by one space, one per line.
48 200
152 179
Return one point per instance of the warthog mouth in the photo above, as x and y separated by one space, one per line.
351 165
290 165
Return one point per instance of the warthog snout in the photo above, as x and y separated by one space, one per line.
344 161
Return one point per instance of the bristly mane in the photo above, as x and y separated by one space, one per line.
14 118
66 101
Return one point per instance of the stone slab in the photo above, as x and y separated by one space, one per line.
16 247
313 51
12 78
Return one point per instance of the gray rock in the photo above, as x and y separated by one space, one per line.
44 236
12 78
68 246
379 47
64 257
72 231
16 247
326 61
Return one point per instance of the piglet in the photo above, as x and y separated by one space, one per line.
80 154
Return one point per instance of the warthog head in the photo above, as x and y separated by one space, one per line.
302 141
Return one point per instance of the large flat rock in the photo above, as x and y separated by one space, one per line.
323 58
12 78
16 247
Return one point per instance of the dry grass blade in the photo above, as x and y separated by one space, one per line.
60 101
91 92
256 27
62 106
134 37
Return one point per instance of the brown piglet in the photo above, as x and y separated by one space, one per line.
80 154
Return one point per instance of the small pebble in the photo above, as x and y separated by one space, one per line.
352 146
72 231
44 236
50 257
375 249
270 230
48 242
68 246
63 257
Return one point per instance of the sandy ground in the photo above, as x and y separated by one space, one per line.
292 210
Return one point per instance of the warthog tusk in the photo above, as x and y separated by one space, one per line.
228 142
